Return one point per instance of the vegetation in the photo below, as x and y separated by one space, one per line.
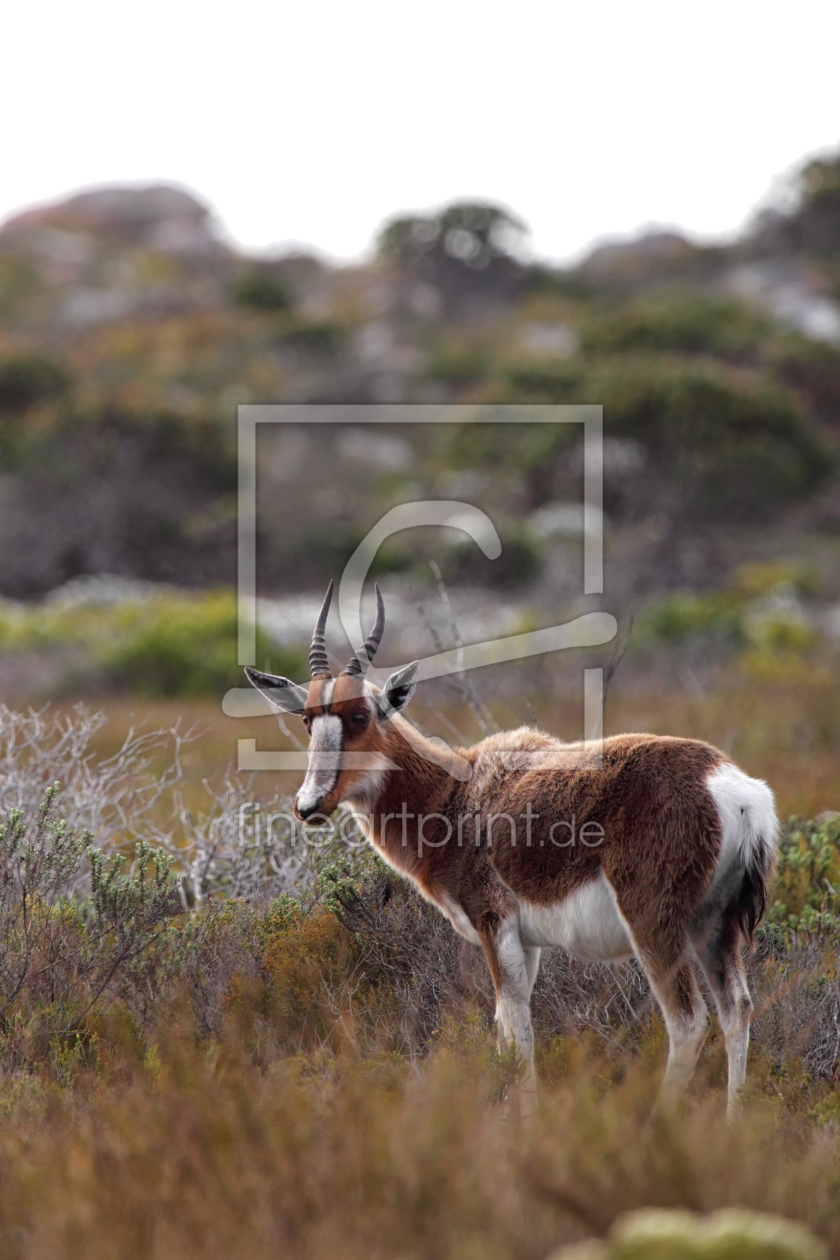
678 323
261 289
128 365
473 234
29 379
808 876
152 643
759 614
679 1235
253 1042
178 644
740 443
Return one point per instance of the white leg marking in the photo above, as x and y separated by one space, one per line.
686 1035
734 1007
513 1011
532 966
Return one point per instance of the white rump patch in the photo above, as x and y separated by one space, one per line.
324 761
588 924
747 818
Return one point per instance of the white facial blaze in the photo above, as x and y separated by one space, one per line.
324 761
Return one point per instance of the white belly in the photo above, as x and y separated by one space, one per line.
587 924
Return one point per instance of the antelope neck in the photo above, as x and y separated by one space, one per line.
420 787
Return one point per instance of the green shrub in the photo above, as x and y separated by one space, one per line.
474 233
521 560
171 643
819 182
459 364
262 289
319 338
758 613
522 449
183 645
679 616
737 443
742 442
27 380
808 876
70 920
813 369
692 325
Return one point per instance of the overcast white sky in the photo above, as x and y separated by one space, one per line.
312 123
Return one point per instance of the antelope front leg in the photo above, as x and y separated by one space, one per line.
513 979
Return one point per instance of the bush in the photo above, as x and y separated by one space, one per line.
309 959
692 325
473 233
166 643
28 380
317 338
759 613
812 368
459 363
261 289
737 444
69 923
683 615
808 876
521 560
177 645
742 443
529 451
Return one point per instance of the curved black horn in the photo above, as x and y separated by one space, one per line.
318 663
366 652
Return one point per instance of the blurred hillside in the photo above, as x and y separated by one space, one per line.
129 332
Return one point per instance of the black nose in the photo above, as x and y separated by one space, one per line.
307 813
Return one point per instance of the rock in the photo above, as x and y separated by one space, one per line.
640 258
553 338
157 217
103 209
790 293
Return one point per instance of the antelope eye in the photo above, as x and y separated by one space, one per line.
359 719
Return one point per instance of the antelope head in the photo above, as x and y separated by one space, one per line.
346 718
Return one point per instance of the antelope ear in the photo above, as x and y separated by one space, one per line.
280 692
398 690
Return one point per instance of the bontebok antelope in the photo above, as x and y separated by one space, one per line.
641 844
